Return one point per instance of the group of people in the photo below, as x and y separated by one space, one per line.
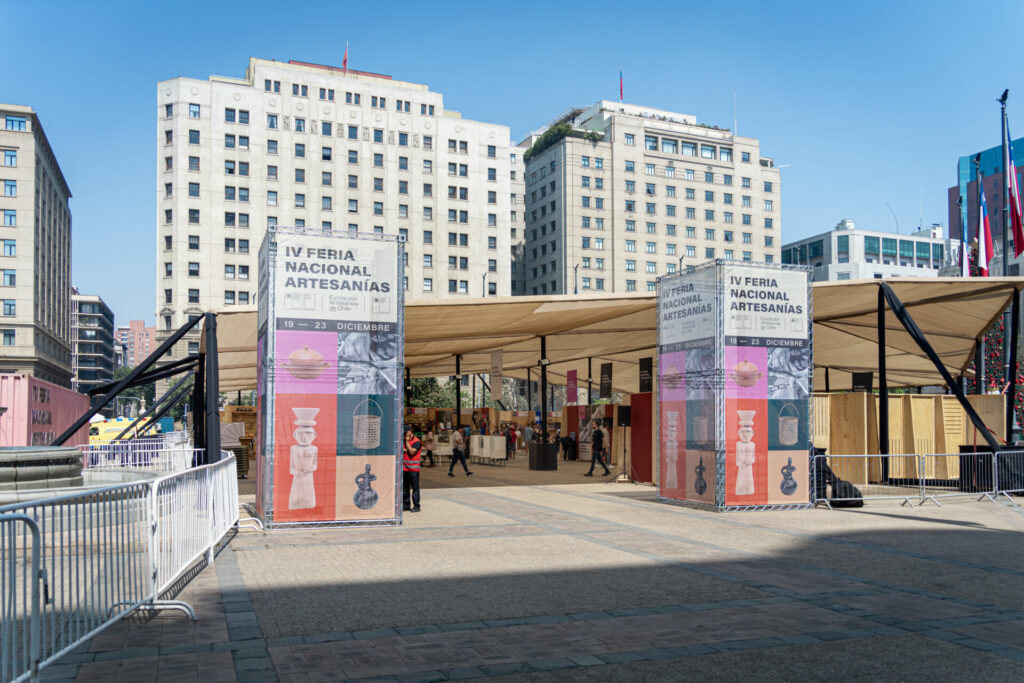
413 450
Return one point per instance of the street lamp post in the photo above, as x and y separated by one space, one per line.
575 278
484 292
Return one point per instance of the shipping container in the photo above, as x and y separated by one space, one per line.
37 412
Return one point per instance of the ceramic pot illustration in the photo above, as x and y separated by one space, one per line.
788 485
305 363
365 498
699 485
746 374
672 379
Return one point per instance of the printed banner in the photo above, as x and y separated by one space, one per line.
330 384
734 385
496 367
606 380
646 375
571 391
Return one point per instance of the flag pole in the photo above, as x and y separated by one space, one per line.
1006 230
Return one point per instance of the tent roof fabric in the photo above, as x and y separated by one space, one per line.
622 328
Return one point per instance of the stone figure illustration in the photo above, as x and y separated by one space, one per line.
788 485
302 460
671 451
365 498
699 485
745 453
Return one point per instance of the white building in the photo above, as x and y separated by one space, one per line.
626 194
301 144
35 252
849 253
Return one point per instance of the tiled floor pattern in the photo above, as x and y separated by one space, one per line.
578 581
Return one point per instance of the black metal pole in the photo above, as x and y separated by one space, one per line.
827 387
544 389
1011 392
1007 376
212 391
883 387
529 391
164 410
979 367
167 370
152 408
199 405
458 391
131 377
408 385
590 382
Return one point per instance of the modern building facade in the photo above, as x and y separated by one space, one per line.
35 252
963 201
517 219
298 144
849 253
93 357
138 339
617 195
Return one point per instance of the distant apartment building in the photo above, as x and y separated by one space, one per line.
35 259
963 201
517 219
93 356
849 253
298 144
139 341
617 195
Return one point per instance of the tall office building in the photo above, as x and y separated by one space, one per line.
35 322
298 144
851 253
627 193
517 219
139 341
93 357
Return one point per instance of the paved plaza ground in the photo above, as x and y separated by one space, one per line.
542 576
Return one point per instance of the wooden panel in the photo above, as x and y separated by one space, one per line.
820 405
848 436
901 437
949 434
992 410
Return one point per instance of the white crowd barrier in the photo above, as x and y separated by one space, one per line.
170 452
917 479
72 565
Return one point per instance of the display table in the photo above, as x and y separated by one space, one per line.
543 456
488 450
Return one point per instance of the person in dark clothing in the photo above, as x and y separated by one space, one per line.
411 472
458 453
510 442
597 452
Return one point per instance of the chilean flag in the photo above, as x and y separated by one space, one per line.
984 234
1017 225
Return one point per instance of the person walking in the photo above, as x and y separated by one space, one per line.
411 472
528 434
458 453
510 442
428 444
597 452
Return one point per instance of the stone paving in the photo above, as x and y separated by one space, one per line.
522 575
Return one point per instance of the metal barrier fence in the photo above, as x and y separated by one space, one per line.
75 564
167 453
917 479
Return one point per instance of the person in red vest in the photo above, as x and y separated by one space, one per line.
411 472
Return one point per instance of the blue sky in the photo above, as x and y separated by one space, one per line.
869 102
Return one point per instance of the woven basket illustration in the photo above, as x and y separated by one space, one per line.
366 426
700 426
789 426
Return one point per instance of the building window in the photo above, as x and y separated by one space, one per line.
193 111
10 307
10 277
193 216
10 157
10 188
193 269
745 157
10 248
271 198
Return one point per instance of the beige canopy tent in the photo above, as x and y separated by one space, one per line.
622 328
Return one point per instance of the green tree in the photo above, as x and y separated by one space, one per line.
147 392
427 392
